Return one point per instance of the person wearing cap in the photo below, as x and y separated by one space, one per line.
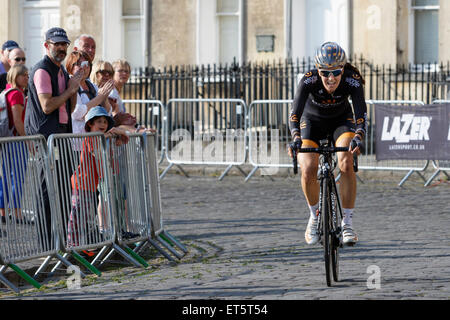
86 178
6 49
51 100
52 94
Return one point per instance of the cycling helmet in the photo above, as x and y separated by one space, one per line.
330 55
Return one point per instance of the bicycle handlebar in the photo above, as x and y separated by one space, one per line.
322 150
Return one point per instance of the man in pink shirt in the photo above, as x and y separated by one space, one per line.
52 95
51 100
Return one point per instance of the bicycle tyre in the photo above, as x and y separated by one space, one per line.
336 224
327 240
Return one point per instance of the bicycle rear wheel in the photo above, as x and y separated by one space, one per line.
327 239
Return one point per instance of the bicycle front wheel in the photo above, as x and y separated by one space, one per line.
327 239
336 235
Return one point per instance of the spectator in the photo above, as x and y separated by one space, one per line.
6 48
122 71
88 95
85 180
16 56
14 157
51 100
86 43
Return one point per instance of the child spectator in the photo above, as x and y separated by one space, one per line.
85 179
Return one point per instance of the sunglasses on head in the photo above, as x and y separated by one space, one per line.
20 59
326 73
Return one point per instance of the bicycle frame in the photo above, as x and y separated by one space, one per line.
330 210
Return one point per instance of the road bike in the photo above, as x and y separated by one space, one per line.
330 210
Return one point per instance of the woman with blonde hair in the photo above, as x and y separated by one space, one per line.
14 157
88 95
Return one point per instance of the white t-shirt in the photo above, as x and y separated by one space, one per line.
78 114
115 95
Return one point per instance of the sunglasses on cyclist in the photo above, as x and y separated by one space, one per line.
20 59
326 73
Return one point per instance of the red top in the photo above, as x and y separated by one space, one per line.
88 173
14 97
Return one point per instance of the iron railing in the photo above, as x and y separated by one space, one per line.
278 80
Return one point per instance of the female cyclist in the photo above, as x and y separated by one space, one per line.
320 108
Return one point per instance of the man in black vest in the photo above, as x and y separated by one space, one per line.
52 95
51 100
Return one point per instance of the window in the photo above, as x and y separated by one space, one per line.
219 31
425 31
133 32
227 12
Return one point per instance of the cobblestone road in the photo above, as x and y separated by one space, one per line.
246 241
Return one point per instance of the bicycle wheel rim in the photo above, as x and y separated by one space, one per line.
335 221
326 232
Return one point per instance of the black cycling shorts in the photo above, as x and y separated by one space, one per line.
318 129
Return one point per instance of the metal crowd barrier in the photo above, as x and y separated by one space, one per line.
368 161
158 233
99 195
80 167
268 136
127 164
151 114
206 132
439 165
30 227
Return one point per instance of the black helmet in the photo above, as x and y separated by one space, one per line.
330 55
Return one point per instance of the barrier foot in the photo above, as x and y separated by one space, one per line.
406 177
225 172
242 171
163 174
166 243
182 170
137 257
67 263
161 250
61 258
99 255
58 264
85 263
9 284
359 179
125 255
251 173
427 183
140 246
43 266
175 241
107 256
25 276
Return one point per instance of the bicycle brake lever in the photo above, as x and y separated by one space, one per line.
355 162
294 160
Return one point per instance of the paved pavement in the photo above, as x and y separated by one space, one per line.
246 241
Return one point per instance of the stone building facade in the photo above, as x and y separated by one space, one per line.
180 32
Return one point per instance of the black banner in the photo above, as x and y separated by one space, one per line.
413 132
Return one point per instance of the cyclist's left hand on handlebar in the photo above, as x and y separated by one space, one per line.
356 144
295 146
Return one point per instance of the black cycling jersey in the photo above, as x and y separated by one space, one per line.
313 102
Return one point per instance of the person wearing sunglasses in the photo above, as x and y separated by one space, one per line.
15 57
320 108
